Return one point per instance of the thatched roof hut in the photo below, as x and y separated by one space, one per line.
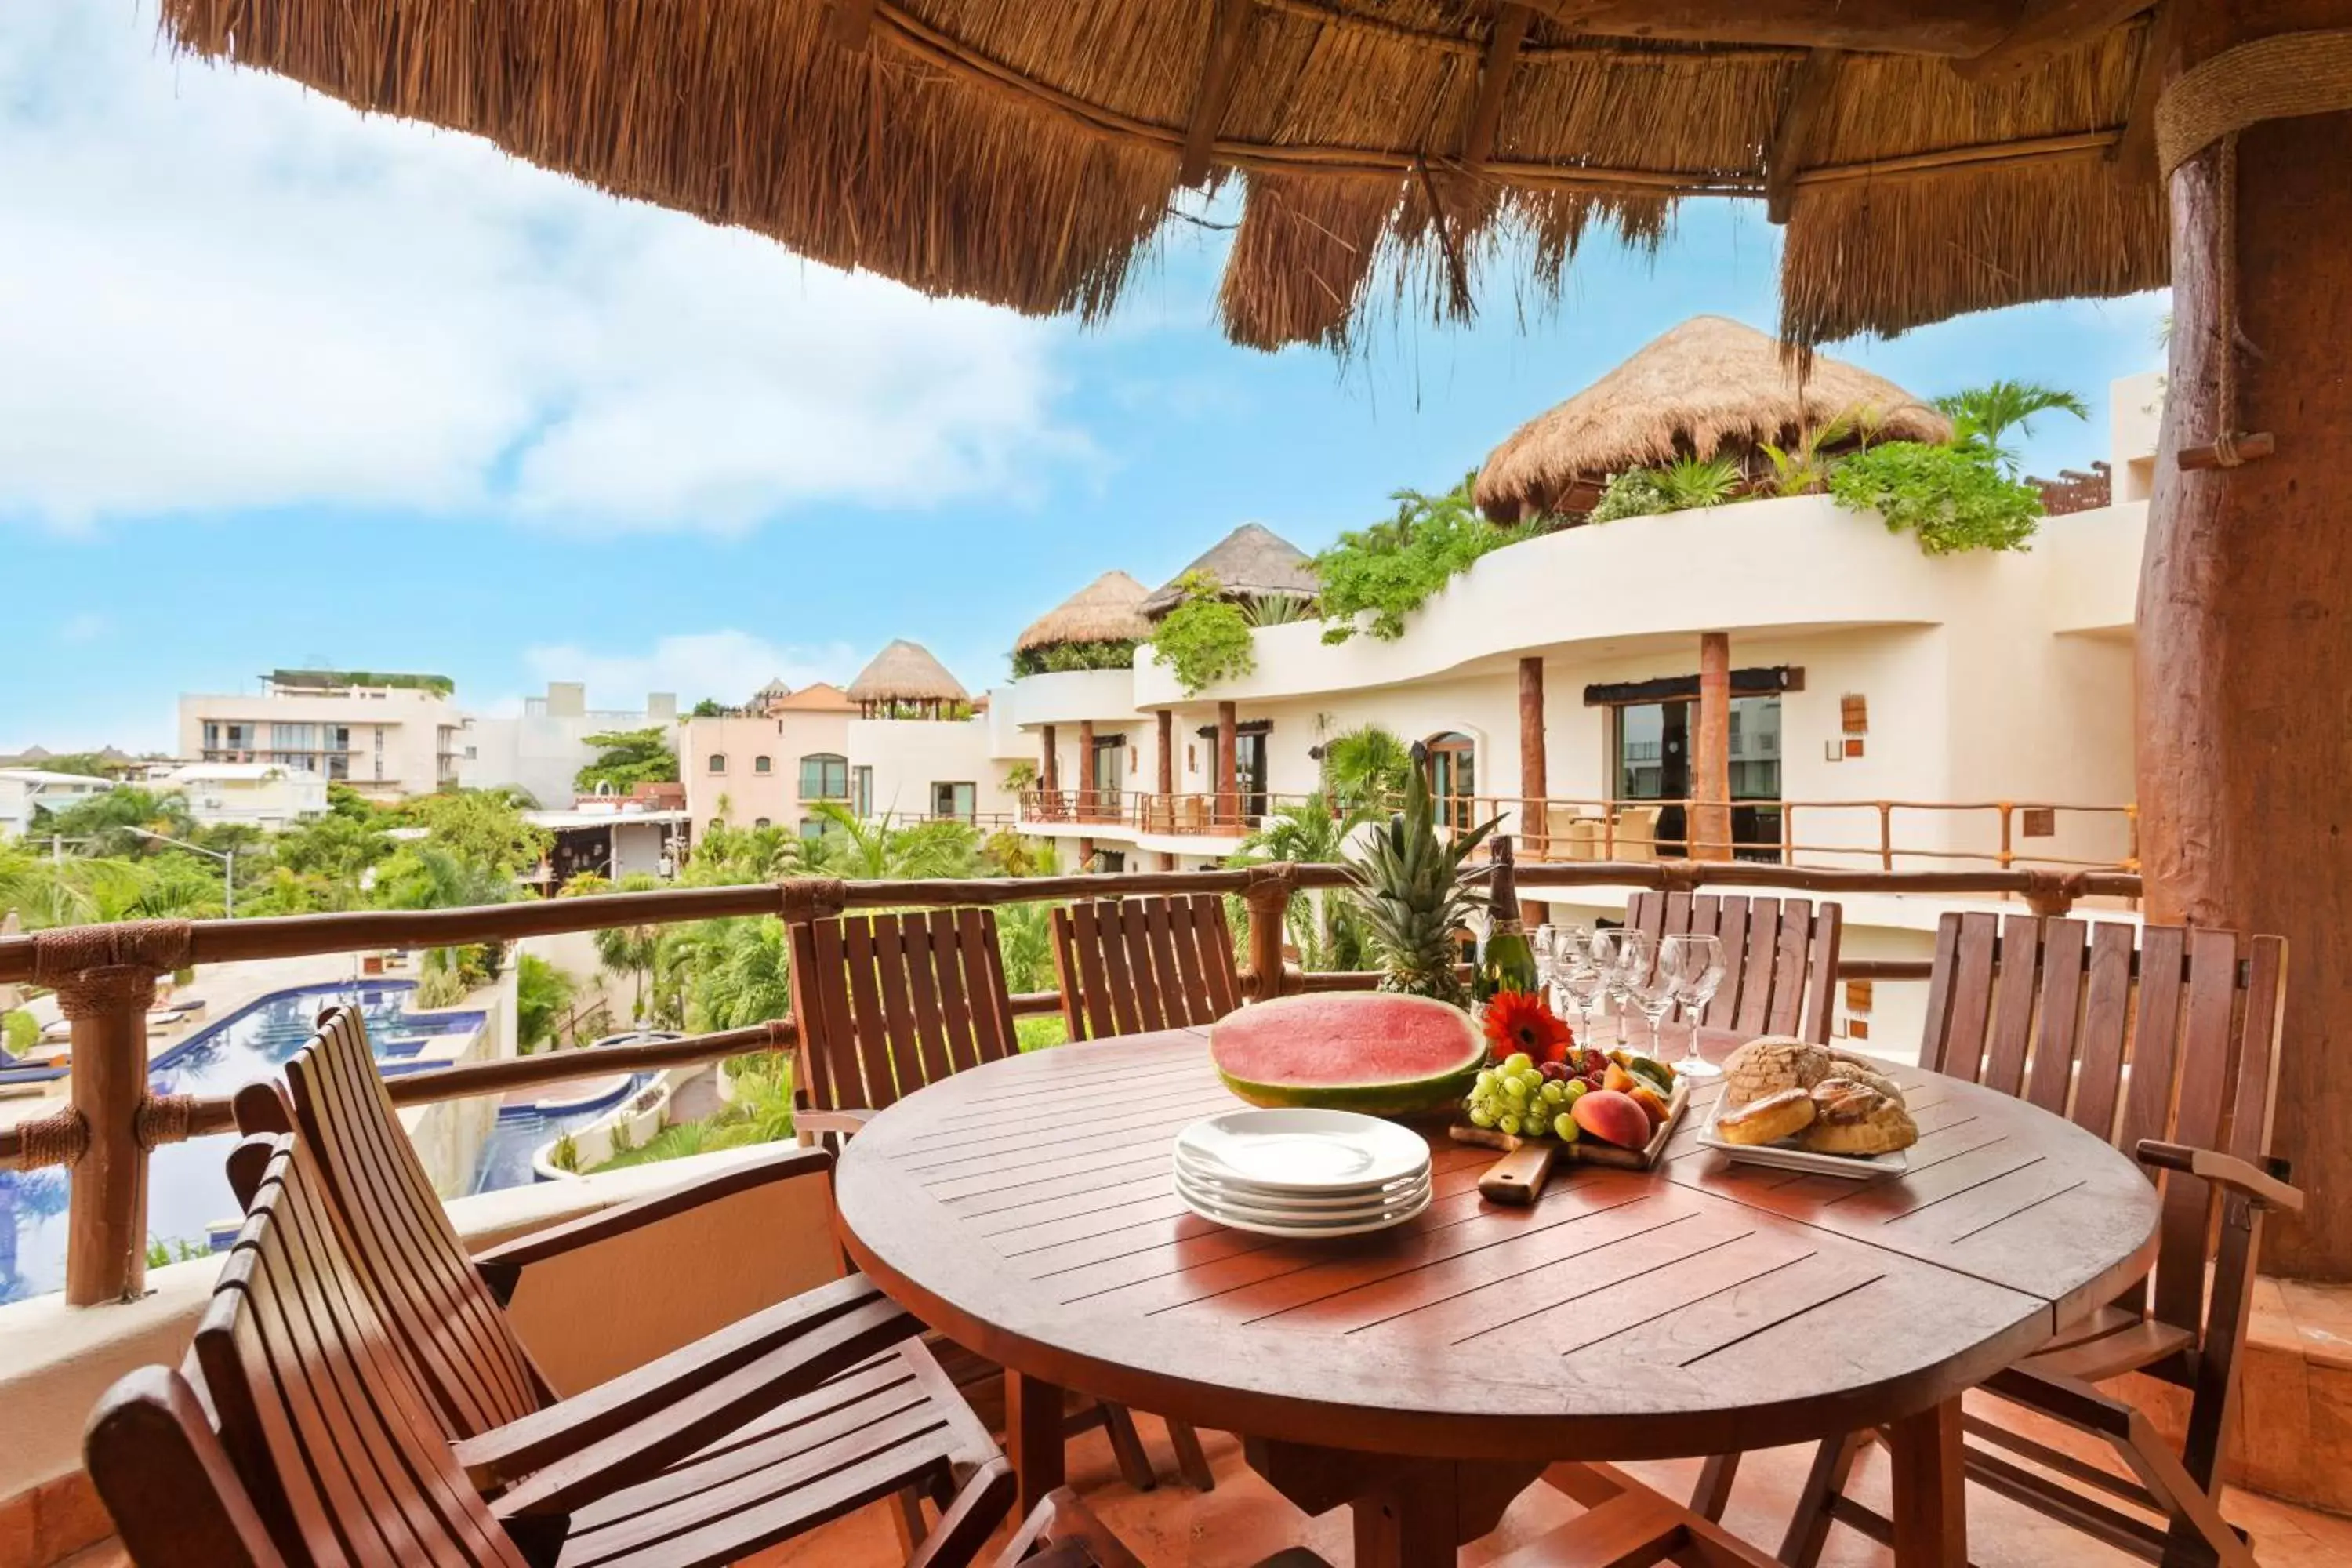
1709 387
1929 157
1252 561
906 676
1108 609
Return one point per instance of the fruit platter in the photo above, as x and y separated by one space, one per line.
1598 1107
1793 1105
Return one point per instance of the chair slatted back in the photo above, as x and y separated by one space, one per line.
447 1324
2175 1035
1779 956
333 1437
887 1004
1129 965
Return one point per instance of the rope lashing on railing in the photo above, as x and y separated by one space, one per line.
164 1119
97 969
801 900
1273 881
2277 77
57 1138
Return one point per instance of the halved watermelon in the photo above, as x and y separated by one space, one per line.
1380 1054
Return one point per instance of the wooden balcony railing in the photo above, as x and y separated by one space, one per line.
1203 815
104 977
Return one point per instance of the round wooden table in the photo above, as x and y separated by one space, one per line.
1429 1372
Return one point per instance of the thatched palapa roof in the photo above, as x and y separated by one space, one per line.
1108 609
1252 561
905 672
1710 386
1929 156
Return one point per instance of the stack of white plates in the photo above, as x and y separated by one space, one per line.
1302 1172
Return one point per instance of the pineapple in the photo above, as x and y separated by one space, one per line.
1415 894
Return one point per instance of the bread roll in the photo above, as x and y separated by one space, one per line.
1769 1119
1852 1118
1771 1063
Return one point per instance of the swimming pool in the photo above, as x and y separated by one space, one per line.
187 1183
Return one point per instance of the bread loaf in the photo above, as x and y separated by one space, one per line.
1771 1063
1852 1118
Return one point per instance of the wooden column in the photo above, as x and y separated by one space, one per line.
1049 770
1167 742
1229 805
1088 807
1535 821
2245 610
1707 823
106 1215
1268 898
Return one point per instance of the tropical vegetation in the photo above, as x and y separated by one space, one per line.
1111 653
1413 890
1374 577
627 758
1205 638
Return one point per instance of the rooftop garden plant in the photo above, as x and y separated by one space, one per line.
1115 653
1374 577
1204 639
627 758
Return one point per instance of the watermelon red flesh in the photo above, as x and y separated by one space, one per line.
1380 1054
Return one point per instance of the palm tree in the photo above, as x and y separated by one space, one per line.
745 977
624 950
1983 415
1698 482
866 850
1366 767
1024 936
1312 833
1803 468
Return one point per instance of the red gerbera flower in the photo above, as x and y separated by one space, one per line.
1518 1021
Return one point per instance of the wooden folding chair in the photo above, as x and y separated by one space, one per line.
2168 1049
297 1434
1779 956
444 1312
1127 966
887 1004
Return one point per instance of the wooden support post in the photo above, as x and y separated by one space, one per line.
1930 1511
1268 898
1032 1430
1707 830
1534 822
1885 836
2245 603
1049 772
106 1215
1167 755
1089 804
1229 806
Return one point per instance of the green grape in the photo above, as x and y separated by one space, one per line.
1509 1124
1481 1117
1565 1126
1554 1093
1514 1088
1518 1062
1576 1089
1486 1077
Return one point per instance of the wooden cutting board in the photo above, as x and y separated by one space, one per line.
1587 1149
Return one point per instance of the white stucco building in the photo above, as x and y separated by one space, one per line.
541 749
254 794
385 736
27 792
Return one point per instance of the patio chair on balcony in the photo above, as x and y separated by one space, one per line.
2170 1050
444 1312
1131 965
1636 836
297 1433
1779 956
1575 833
889 1003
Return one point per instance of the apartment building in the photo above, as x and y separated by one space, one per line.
25 793
386 735
541 751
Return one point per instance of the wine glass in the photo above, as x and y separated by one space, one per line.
1622 955
1580 974
1698 963
1655 985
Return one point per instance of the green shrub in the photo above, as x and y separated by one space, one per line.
622 1141
1204 639
1110 654
542 991
565 1155
1951 498
1636 492
1041 1031
19 1032
1388 571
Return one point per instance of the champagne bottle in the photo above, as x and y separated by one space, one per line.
1508 962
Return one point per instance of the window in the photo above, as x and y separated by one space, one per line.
811 827
954 800
824 776
759 821
861 790
762 765
718 761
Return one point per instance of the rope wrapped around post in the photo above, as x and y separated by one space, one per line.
801 900
2051 894
57 1138
1267 894
2277 78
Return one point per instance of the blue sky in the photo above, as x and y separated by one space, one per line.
279 384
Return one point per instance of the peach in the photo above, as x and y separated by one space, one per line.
1651 1102
1613 1118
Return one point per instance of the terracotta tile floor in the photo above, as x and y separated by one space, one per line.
1242 1520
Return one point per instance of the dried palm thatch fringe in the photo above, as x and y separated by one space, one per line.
1252 561
1025 153
1706 388
905 672
1108 609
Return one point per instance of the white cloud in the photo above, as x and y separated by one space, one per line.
219 292
727 664
85 628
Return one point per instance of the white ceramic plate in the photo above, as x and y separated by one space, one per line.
1261 1197
1304 1151
1788 1157
1282 1205
1293 1228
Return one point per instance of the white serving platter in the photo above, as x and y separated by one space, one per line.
1305 1151
1788 1157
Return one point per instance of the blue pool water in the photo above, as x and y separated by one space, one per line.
187 1185
523 1129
